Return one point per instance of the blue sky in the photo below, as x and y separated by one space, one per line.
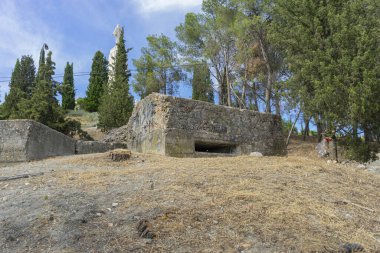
75 30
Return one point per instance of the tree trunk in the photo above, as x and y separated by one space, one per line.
319 126
254 97
243 93
355 130
268 89
291 129
306 131
227 79
367 134
277 102
223 88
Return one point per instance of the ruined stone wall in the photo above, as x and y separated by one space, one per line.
176 126
208 123
26 140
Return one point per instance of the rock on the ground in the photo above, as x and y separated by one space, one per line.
256 154
374 166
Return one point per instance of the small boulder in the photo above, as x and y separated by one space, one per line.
256 154
361 166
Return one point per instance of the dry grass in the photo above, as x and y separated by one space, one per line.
230 204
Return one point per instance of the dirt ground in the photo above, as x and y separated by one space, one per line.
88 203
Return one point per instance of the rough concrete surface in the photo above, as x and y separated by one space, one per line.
89 147
181 127
26 140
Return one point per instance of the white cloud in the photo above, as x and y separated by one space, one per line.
151 6
21 34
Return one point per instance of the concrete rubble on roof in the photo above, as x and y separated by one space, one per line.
184 128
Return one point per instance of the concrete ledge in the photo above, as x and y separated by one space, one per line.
26 140
89 147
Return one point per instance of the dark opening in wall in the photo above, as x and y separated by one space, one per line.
210 147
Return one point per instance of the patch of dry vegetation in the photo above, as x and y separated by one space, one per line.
230 204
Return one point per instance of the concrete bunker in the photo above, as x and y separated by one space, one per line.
27 140
184 128
214 147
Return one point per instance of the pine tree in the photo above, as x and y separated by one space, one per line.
156 71
43 106
117 103
201 83
97 82
67 90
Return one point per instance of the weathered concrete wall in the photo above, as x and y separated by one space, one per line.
179 127
13 139
89 147
26 140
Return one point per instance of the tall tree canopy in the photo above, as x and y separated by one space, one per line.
332 51
20 87
117 103
209 36
156 70
202 84
43 106
97 82
67 89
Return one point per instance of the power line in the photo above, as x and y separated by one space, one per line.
86 73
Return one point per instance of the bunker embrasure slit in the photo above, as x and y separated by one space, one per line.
211 147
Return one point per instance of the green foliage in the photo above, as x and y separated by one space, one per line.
210 36
43 106
67 89
97 82
117 103
332 53
155 68
81 103
2 112
21 87
286 126
201 83
74 128
356 149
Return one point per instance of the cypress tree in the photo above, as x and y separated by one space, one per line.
202 86
15 93
41 61
44 106
68 91
117 103
21 85
97 82
28 75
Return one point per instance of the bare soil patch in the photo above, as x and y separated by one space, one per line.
89 203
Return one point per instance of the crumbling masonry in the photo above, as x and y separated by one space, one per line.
184 128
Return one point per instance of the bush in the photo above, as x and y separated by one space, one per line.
358 150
